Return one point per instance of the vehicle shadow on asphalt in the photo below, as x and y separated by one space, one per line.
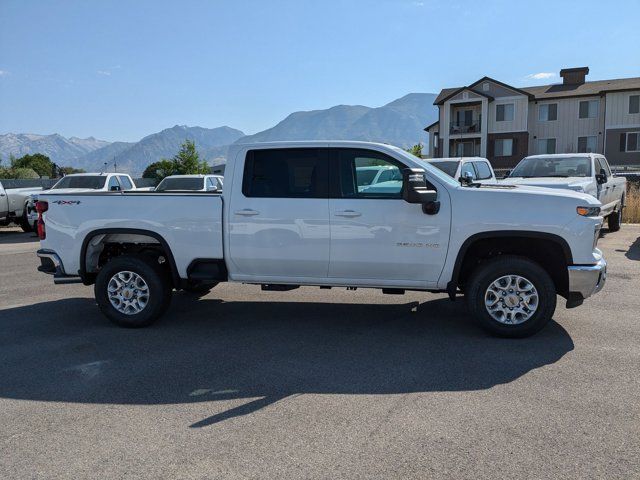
17 237
208 350
634 250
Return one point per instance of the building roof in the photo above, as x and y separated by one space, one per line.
543 92
429 126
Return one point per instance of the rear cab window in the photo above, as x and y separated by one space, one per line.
286 173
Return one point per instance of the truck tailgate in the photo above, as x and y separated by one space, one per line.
190 224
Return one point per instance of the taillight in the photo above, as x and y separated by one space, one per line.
41 207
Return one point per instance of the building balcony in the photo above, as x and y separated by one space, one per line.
466 127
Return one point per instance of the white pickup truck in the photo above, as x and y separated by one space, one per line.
298 213
581 172
13 205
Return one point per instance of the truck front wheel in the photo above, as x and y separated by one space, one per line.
133 291
511 296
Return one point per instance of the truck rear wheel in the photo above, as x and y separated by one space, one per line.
133 291
511 296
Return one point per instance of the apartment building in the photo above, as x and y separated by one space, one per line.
504 123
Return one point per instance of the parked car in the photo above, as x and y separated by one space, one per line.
82 182
371 175
581 172
196 183
293 213
466 169
14 206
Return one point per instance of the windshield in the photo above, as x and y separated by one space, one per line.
168 184
84 181
449 167
553 167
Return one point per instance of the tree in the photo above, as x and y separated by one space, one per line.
416 150
38 162
158 170
187 161
22 172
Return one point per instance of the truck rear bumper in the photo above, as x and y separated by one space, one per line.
587 280
51 264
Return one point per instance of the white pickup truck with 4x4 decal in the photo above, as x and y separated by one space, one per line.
300 213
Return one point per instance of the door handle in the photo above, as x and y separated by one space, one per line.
247 212
347 213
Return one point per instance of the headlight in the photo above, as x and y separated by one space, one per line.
588 211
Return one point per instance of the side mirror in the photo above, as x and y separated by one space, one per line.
114 188
601 177
414 187
466 179
507 173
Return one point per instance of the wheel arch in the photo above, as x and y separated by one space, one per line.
88 277
513 242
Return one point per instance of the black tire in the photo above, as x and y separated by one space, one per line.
498 267
24 221
614 220
159 290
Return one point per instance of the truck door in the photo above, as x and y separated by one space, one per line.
279 215
4 202
375 235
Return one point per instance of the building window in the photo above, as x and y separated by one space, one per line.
588 109
503 147
435 141
548 112
504 112
630 142
587 144
546 145
485 87
634 104
464 149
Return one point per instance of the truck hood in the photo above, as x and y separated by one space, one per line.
570 183
524 189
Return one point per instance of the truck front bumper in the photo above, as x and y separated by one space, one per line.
587 280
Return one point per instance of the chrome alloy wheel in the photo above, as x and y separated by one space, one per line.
511 299
128 292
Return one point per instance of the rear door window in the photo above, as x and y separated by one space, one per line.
286 173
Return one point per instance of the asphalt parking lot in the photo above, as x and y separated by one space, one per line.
315 384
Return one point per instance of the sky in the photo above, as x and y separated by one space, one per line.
120 70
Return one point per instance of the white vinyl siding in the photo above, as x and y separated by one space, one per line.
546 146
620 106
567 128
503 147
588 109
520 112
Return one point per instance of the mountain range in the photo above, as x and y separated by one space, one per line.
399 122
